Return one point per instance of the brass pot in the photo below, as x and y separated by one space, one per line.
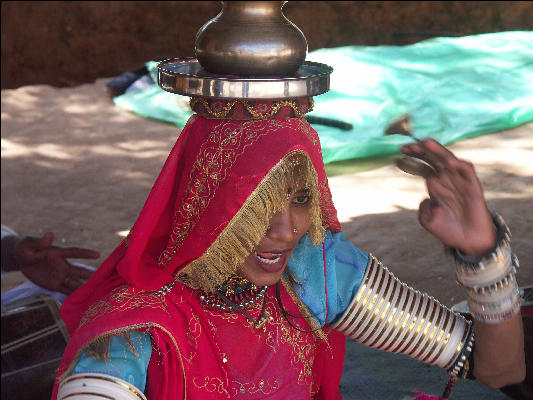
251 38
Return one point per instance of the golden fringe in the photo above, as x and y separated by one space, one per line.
304 310
250 223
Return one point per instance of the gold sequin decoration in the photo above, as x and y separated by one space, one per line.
123 298
276 332
264 387
274 107
194 331
210 384
218 114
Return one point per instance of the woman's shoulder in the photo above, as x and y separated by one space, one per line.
127 306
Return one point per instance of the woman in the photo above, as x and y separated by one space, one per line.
236 270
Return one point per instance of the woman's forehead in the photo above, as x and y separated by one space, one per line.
303 189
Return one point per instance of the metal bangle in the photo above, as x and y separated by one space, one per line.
492 291
462 360
495 306
491 271
503 235
388 315
97 386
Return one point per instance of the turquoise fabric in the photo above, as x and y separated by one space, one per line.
454 88
122 362
345 269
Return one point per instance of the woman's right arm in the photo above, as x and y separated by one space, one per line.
127 359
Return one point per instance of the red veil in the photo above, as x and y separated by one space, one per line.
214 167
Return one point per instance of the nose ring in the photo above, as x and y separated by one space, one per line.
295 230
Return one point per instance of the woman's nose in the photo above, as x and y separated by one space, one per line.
281 226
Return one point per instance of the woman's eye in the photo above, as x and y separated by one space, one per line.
301 200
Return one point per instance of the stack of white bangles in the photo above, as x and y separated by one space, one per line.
490 281
387 314
93 386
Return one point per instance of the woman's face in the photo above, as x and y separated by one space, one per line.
265 265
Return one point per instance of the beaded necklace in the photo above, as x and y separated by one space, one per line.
237 294
245 298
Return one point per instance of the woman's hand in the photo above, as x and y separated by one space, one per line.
455 212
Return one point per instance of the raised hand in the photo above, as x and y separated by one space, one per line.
47 265
455 212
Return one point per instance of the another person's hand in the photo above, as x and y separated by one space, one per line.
455 212
47 265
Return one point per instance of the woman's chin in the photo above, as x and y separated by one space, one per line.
266 281
262 278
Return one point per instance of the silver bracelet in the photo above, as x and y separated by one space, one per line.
467 349
388 315
92 385
492 291
496 305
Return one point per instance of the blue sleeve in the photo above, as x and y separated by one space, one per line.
327 293
122 362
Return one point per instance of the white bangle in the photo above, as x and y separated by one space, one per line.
483 272
492 291
497 305
95 386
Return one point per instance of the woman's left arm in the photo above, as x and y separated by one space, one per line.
499 358
456 213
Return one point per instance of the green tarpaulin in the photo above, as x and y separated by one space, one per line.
453 88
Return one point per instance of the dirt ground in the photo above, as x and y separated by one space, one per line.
75 164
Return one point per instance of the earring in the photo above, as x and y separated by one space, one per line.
295 230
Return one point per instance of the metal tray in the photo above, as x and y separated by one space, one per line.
186 76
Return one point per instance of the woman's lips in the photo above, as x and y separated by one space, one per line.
271 261
268 258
